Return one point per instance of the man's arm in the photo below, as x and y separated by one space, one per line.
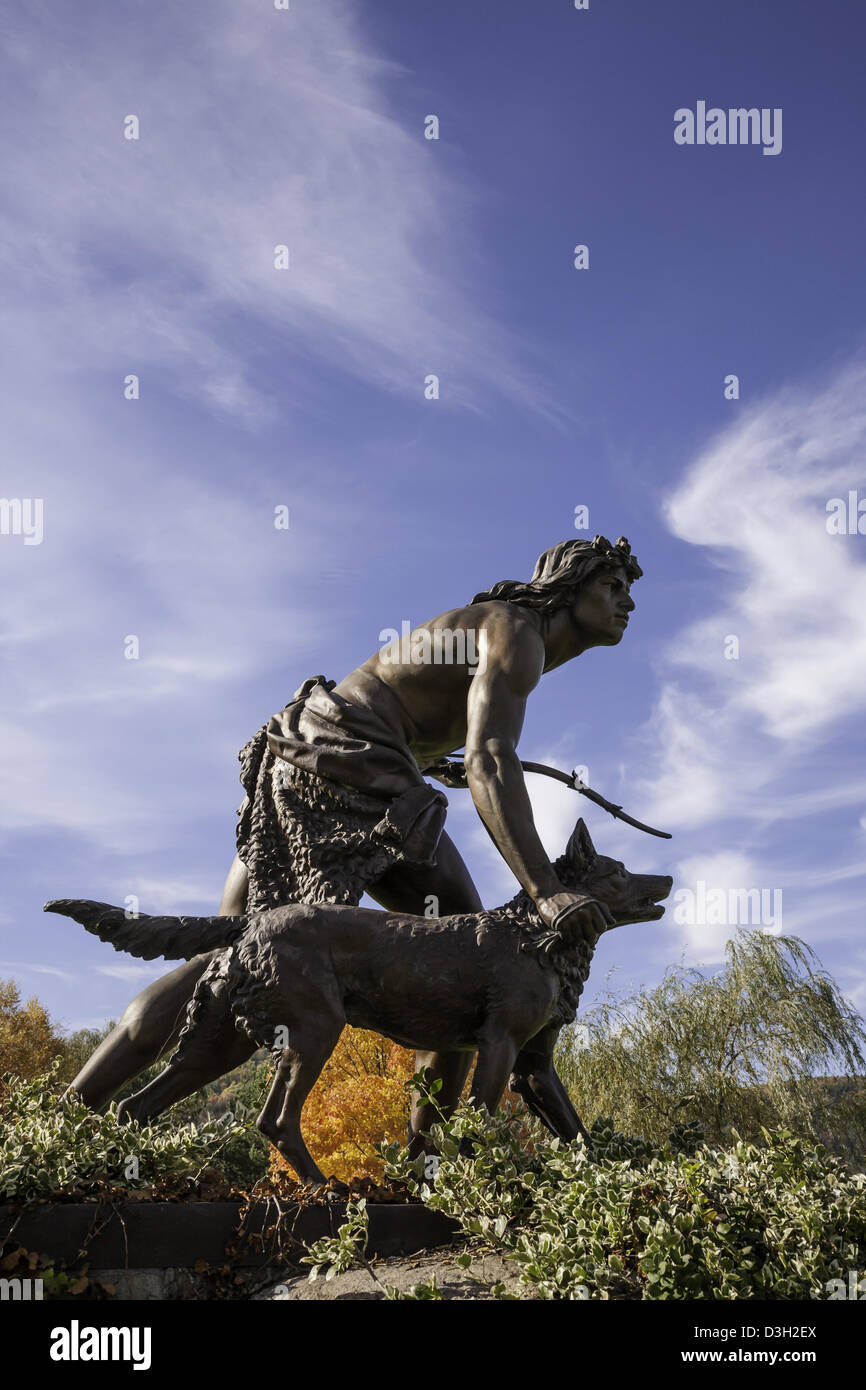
496 708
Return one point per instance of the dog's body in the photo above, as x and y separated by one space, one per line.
499 983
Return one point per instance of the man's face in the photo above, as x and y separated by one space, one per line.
600 611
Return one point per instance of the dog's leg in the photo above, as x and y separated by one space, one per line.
558 1102
409 888
298 1071
496 1057
453 1069
197 1063
547 1098
537 1081
210 1045
523 1086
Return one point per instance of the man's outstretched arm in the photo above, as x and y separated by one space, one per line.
496 708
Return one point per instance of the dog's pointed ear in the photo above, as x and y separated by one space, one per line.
580 849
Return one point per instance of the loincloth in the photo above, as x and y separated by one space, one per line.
334 799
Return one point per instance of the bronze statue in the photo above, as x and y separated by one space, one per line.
501 983
336 801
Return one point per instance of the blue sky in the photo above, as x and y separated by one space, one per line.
305 387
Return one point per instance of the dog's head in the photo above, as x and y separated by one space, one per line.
630 897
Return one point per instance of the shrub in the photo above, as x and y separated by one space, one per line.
630 1218
52 1144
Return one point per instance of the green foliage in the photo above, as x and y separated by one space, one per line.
753 1046
239 1095
50 1143
336 1254
630 1218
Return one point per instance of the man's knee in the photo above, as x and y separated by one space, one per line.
159 1010
138 1027
153 1019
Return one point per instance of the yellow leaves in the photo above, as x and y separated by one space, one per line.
359 1100
28 1041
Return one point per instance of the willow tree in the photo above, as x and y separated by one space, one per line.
768 1041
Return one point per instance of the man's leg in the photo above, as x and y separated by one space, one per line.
407 888
150 1025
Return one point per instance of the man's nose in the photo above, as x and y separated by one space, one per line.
629 603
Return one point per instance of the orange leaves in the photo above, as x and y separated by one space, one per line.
359 1100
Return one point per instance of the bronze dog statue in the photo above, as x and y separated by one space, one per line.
500 983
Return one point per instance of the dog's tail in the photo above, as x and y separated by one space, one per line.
175 938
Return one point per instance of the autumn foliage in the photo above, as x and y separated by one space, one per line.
28 1041
360 1099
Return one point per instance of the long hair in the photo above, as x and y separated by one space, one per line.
561 571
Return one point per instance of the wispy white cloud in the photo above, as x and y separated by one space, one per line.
35 968
182 895
794 597
213 595
258 128
155 256
138 974
766 738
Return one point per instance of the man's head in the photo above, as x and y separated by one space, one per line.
589 578
600 608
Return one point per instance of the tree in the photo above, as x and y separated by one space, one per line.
768 1041
28 1040
359 1100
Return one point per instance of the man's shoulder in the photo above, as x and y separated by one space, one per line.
500 613
512 640
492 614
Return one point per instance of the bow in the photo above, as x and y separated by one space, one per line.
453 774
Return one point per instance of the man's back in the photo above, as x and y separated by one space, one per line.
430 671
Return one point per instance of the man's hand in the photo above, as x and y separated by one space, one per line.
449 771
586 915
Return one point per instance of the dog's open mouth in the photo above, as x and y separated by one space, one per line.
644 910
650 907
653 910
